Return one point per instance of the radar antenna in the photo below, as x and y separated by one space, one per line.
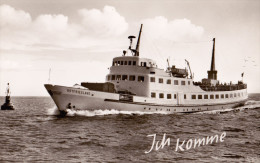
131 42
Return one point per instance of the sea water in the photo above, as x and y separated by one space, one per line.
34 132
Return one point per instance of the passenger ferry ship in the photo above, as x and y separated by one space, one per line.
137 84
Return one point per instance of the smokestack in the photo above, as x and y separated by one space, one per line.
212 68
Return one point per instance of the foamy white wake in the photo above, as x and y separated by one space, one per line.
106 112
70 112
54 111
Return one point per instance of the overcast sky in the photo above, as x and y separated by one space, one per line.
78 39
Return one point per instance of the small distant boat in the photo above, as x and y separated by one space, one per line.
7 105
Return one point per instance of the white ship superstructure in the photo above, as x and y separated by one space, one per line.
137 84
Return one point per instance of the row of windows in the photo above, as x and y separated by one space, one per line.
141 79
168 81
185 110
217 96
169 96
118 63
125 77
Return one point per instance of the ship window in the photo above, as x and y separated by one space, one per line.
182 82
217 96
132 78
160 80
235 95
193 96
185 96
113 63
144 64
129 62
175 96
113 77
134 63
222 96
226 95
169 81
238 94
124 77
152 79
176 82
211 96
206 96
125 62
199 96
141 78
231 95
188 82
161 95
108 77
118 77
122 62
169 96
153 94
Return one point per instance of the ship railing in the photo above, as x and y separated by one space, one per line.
231 87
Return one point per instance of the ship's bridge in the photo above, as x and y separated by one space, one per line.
131 74
133 61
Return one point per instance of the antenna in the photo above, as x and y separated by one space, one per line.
49 76
168 62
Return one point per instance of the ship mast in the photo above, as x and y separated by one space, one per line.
138 42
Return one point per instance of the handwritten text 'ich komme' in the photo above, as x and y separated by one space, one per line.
181 146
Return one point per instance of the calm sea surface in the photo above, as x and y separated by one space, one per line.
33 132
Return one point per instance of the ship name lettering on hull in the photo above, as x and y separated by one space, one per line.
78 92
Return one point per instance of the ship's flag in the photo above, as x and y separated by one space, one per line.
242 74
